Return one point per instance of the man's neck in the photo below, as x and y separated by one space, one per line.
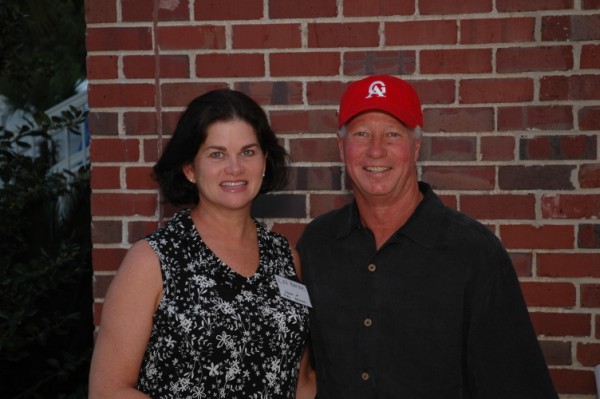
384 218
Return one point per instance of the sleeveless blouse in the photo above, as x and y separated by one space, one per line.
216 333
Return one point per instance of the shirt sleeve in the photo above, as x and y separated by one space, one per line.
504 359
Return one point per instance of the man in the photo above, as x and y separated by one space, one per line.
411 299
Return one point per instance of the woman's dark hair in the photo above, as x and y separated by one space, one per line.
216 106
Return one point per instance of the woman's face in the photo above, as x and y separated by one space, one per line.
228 168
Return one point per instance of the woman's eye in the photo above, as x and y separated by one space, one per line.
217 155
248 153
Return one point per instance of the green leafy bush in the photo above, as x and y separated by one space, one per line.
46 326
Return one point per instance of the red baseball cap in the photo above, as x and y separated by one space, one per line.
384 93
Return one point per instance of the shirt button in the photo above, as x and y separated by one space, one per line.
372 267
364 376
367 322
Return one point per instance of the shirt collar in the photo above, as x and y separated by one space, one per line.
422 226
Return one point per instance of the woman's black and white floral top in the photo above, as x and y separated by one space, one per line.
217 334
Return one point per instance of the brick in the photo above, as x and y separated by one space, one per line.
589 175
227 10
266 36
402 62
322 203
589 236
230 65
118 39
590 4
497 30
324 93
103 123
460 177
421 32
302 9
536 177
104 177
100 11
497 148
456 61
554 88
549 294
558 147
556 352
152 149
101 284
561 324
477 91
522 262
124 204
144 66
549 117
272 93
314 150
569 381
571 28
136 230
448 149
102 67
568 265
589 118
588 354
138 10
279 206
590 295
107 259
311 121
498 206
181 94
115 150
590 56
571 206
291 231
534 59
440 91
316 178
429 7
537 237
191 37
533 5
139 178
140 123
304 64
361 8
577 87
458 120
107 231
120 95
351 34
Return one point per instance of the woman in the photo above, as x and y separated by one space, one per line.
194 310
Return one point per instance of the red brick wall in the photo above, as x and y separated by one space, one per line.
510 90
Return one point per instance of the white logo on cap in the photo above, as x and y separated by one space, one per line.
377 88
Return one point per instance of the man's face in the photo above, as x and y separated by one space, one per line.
380 155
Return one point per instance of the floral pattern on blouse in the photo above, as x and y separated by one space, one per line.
217 334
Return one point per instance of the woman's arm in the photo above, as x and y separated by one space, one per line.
126 325
307 380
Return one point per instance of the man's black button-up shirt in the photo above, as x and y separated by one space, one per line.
436 312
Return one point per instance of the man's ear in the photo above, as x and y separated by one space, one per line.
340 141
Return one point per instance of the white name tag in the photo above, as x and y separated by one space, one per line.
293 291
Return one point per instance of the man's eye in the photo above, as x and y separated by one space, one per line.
360 134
